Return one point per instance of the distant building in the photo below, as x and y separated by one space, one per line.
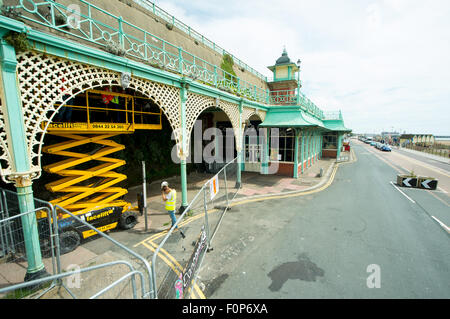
417 139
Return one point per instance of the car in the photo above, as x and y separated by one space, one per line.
386 148
378 145
373 144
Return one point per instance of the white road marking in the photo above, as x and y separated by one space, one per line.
447 229
403 193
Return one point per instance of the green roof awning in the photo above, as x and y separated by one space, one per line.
336 125
289 118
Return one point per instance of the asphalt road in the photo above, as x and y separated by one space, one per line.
359 238
438 164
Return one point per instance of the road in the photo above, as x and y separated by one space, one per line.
359 238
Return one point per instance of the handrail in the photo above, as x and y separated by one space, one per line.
73 272
192 33
142 259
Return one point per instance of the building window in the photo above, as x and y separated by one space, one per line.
330 141
285 152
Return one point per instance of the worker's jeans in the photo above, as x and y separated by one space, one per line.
172 217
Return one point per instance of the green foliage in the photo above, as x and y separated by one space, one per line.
18 40
227 65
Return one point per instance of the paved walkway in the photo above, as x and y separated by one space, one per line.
254 186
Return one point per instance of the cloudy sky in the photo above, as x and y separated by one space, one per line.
384 63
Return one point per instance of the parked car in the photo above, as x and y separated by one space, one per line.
373 144
386 148
378 146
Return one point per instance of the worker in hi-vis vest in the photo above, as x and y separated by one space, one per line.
169 196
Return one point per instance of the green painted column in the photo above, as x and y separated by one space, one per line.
297 136
321 145
21 164
303 152
308 152
314 148
265 153
239 148
183 150
339 142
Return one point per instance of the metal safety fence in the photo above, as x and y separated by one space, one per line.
176 277
138 277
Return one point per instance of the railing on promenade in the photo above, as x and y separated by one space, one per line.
291 97
196 35
88 22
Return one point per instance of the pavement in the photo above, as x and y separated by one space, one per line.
177 251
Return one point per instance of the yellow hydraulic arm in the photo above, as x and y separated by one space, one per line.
82 194
88 181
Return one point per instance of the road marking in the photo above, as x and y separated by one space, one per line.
437 197
447 229
433 168
398 170
149 244
173 266
403 193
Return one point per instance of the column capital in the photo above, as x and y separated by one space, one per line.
21 179
8 57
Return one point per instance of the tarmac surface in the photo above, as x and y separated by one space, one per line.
348 234
361 238
177 250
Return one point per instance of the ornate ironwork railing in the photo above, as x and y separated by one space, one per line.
283 97
337 115
88 22
196 35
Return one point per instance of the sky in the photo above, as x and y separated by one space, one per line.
384 63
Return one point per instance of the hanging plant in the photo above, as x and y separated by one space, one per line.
227 65
113 48
18 40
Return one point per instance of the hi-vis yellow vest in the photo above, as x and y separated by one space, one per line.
171 203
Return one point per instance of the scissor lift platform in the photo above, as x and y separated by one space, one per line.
88 184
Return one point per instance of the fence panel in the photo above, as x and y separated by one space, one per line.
13 262
176 277
120 281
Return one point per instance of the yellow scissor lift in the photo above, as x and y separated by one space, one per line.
88 184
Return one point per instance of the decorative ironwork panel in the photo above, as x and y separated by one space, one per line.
196 104
5 157
46 81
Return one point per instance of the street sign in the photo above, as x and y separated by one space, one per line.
410 182
430 184
214 186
